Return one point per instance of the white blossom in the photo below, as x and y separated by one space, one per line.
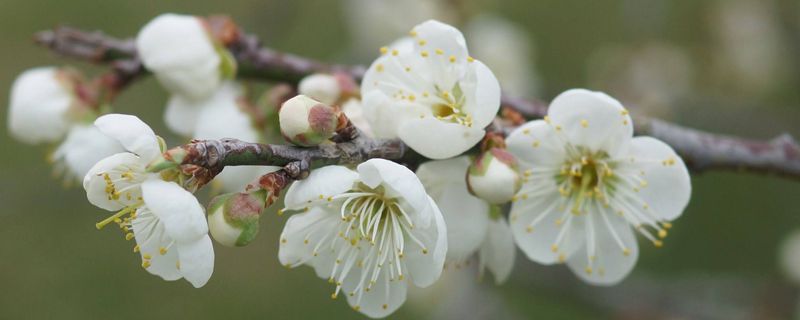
307 122
181 54
430 93
41 99
167 221
84 146
369 232
171 232
115 182
588 182
472 225
494 177
321 87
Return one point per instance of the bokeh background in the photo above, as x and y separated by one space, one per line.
729 66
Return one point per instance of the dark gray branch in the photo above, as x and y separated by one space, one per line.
701 150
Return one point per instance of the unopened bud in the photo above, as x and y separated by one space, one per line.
307 122
233 218
322 87
493 176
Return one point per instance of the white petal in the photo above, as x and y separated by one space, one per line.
610 265
321 87
223 117
498 250
196 260
39 105
466 217
95 184
181 115
150 242
668 187
385 115
398 181
325 182
425 266
236 178
314 225
84 146
135 135
180 53
436 35
592 119
437 139
482 93
537 240
535 144
183 217
383 299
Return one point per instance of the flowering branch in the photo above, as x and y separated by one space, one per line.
216 154
701 150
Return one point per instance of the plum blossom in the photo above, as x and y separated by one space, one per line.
84 146
370 232
41 102
588 184
474 226
166 221
430 93
183 56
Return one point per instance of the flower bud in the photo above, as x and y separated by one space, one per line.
41 100
183 56
493 176
233 217
322 87
307 122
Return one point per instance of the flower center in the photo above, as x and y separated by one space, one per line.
586 176
449 106
123 182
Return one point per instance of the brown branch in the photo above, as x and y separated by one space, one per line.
701 150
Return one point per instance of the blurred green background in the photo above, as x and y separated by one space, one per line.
726 66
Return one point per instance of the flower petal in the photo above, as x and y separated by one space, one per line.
399 182
383 299
135 135
150 243
466 217
536 144
39 105
181 115
437 139
668 186
322 182
610 264
592 119
498 250
483 98
313 226
183 217
385 115
433 35
196 261
536 224
84 146
95 184
425 264
180 53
